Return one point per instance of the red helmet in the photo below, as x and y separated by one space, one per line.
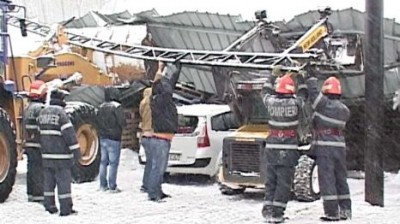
332 86
38 89
285 85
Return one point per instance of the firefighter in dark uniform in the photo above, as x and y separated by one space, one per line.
329 148
60 149
34 176
284 111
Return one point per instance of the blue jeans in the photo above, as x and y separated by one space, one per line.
146 146
110 153
159 153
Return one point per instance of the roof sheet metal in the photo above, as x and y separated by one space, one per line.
87 20
200 31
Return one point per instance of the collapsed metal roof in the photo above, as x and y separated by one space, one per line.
213 31
96 19
207 31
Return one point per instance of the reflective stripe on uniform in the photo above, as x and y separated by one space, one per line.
329 143
283 124
279 204
64 196
281 146
330 120
65 126
32 145
267 203
31 127
48 194
50 132
344 196
57 156
30 197
73 147
302 86
329 197
316 101
265 98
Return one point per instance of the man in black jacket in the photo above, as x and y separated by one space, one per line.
60 149
165 124
111 120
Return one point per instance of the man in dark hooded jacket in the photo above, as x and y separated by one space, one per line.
60 150
111 120
165 124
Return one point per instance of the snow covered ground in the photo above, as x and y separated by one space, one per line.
192 201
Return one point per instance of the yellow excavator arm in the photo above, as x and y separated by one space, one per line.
312 38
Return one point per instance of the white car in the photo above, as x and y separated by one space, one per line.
197 147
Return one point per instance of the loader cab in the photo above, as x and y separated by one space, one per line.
251 103
243 153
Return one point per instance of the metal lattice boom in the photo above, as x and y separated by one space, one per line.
250 60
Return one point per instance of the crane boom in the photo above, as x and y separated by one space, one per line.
263 61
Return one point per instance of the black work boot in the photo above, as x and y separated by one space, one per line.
345 214
164 195
72 212
267 212
52 210
277 215
329 218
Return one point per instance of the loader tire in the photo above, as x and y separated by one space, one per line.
83 117
8 156
93 95
305 183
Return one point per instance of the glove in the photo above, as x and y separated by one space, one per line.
310 70
304 74
277 70
178 64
